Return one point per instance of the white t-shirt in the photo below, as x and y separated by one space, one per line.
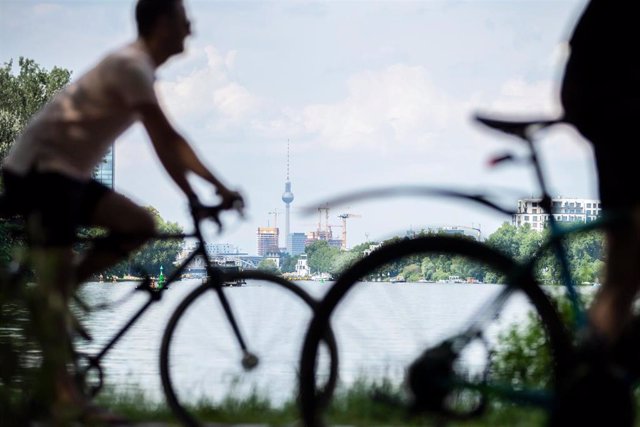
73 132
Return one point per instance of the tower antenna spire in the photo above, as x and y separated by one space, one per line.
287 198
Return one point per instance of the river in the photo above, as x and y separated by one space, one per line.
378 333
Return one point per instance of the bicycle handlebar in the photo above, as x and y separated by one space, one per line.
200 211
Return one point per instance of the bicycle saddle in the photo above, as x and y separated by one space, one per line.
520 128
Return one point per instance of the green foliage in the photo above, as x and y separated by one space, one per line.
522 356
351 405
158 253
343 260
517 242
24 94
269 266
21 96
11 238
321 256
412 273
585 252
288 263
153 255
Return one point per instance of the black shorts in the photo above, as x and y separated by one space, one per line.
62 203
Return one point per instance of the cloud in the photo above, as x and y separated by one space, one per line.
518 97
46 8
395 105
208 93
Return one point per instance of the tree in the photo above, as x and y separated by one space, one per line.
269 266
504 240
343 260
153 255
158 252
22 95
412 273
288 263
321 257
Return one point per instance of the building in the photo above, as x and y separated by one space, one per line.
313 236
302 267
296 243
267 240
372 247
104 172
564 209
273 256
212 249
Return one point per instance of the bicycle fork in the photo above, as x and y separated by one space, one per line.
249 360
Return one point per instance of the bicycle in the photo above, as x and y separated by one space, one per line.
88 367
179 330
452 375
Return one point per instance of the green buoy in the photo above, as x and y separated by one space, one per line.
161 278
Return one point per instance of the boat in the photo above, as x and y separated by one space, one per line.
321 277
229 266
398 279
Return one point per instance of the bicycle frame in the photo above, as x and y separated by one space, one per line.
155 295
558 233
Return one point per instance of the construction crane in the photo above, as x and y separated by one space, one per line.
275 213
323 234
344 217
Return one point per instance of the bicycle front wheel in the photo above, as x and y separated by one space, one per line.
207 376
441 346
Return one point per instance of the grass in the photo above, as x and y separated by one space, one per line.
353 406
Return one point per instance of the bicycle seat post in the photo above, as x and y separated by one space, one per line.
559 249
545 201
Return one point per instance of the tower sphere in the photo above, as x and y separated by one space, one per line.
287 197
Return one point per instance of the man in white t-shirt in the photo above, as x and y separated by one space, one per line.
48 171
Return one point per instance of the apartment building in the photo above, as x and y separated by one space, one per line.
564 209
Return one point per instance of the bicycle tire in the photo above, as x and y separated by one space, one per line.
312 411
181 409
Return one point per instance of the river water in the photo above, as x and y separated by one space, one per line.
381 329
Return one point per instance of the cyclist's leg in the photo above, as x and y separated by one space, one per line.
610 311
119 215
51 221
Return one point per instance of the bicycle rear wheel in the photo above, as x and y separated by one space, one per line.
216 376
384 328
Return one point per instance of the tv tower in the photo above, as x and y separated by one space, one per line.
287 198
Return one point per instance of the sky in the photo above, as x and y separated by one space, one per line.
367 94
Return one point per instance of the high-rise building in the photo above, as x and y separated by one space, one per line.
287 198
296 243
564 209
104 172
267 240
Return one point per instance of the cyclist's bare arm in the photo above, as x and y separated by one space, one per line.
177 156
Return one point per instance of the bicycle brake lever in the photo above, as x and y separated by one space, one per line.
495 161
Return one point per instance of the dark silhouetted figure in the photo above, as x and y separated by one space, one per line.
601 98
48 174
